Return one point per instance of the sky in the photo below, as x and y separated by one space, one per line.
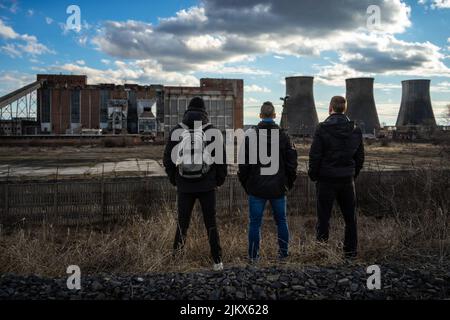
176 42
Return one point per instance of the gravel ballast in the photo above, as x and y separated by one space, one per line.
250 283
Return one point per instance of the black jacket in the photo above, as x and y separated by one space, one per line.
337 151
269 186
217 173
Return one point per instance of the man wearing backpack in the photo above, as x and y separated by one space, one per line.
263 187
195 179
335 160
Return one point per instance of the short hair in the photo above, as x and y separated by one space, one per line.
338 104
267 109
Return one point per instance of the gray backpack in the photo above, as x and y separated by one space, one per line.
193 158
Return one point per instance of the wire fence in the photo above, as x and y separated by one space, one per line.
69 202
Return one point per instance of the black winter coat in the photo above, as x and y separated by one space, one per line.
217 173
269 186
337 151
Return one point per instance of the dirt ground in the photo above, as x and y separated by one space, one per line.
42 161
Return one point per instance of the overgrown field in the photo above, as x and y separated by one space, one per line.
145 245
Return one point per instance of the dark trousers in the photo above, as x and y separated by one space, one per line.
186 203
344 193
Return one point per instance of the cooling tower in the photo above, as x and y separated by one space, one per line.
300 110
416 108
361 104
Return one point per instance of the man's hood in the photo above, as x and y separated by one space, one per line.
339 125
193 115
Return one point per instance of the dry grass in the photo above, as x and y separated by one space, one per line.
144 245
414 228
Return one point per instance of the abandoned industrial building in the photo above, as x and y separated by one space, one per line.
67 105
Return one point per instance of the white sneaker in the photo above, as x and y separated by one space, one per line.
218 267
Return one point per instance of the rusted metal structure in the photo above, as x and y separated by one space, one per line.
361 104
299 113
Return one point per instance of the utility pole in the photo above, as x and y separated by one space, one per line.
283 121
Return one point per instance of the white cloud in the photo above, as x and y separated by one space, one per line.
435 4
140 71
217 35
255 88
30 12
387 86
7 32
48 20
251 102
204 42
13 80
80 62
336 73
11 50
441 87
23 43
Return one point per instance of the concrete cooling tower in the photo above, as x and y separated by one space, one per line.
361 104
416 108
300 115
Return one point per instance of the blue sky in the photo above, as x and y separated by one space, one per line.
260 41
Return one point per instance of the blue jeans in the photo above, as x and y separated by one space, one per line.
256 206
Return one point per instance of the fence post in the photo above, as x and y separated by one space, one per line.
7 194
55 194
230 202
308 190
103 208
6 200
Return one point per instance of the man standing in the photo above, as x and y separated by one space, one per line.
195 179
335 160
262 187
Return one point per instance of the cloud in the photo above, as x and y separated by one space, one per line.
10 5
256 89
138 40
13 80
7 32
436 4
283 17
140 71
30 12
11 50
219 33
387 86
441 87
23 43
48 20
251 102
384 54
336 73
